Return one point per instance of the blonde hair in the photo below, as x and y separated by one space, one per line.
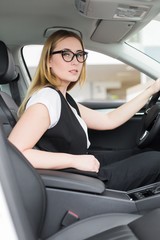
43 76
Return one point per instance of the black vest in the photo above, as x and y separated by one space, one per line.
67 135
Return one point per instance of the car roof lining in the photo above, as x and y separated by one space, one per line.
118 18
64 13
48 16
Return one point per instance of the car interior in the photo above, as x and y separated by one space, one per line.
31 203
71 204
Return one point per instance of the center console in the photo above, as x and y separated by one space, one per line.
146 198
87 196
145 192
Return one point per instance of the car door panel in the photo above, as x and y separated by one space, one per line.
123 137
119 142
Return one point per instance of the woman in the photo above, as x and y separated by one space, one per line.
50 119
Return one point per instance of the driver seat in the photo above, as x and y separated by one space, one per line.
26 198
8 76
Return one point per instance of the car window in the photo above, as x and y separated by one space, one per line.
144 40
108 79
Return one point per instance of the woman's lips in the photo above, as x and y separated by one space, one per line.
74 71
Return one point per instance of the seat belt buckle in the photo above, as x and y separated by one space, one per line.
69 218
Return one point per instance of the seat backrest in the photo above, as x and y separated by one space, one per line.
8 74
24 189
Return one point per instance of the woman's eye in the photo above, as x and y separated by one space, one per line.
67 54
79 54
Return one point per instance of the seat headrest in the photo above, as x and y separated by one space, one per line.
8 71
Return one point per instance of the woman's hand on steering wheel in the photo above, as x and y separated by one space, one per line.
151 119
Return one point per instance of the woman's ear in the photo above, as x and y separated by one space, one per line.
50 62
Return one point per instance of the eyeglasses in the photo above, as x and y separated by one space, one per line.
68 55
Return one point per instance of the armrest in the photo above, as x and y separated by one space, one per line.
71 181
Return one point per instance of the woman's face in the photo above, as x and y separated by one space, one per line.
67 72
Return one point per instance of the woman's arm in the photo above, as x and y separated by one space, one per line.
29 129
115 118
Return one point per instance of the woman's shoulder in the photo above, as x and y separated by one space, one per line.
45 91
51 99
46 96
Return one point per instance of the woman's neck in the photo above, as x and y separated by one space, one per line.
63 91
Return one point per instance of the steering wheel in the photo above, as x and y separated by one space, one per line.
150 125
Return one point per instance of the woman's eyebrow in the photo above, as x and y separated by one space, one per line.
67 49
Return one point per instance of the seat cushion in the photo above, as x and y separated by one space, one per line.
148 226
94 225
117 233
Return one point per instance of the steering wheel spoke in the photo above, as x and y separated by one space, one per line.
144 135
150 125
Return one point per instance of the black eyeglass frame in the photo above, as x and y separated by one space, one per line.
85 55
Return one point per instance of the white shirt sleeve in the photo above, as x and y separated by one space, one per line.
51 99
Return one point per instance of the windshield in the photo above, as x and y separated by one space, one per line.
148 39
